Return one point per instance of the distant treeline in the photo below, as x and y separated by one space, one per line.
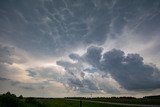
152 97
101 98
124 97
11 100
152 100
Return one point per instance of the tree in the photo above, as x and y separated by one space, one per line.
9 100
20 97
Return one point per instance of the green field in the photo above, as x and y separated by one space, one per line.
148 101
10 100
69 103
36 102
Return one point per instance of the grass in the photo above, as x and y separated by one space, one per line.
129 101
69 103
58 103
10 100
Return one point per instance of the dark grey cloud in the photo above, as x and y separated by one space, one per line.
33 86
21 85
7 58
9 72
90 85
75 76
50 26
75 83
28 87
9 55
70 67
93 55
74 56
128 70
112 58
31 73
15 83
6 54
43 27
65 64
108 89
70 78
81 78
53 28
3 79
84 85
9 81
47 73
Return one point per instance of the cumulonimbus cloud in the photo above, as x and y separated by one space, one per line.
129 70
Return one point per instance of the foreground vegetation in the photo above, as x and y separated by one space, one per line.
11 100
149 100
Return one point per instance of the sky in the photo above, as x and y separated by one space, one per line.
66 48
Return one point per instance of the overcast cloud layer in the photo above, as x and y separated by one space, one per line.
57 48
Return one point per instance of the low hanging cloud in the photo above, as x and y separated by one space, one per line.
45 73
129 71
93 55
8 61
75 78
82 77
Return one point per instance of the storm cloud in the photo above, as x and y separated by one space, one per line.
128 70
45 73
99 46
93 55
50 26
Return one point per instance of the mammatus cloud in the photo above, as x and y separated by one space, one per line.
36 34
129 71
50 26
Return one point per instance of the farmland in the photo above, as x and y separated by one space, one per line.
10 100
